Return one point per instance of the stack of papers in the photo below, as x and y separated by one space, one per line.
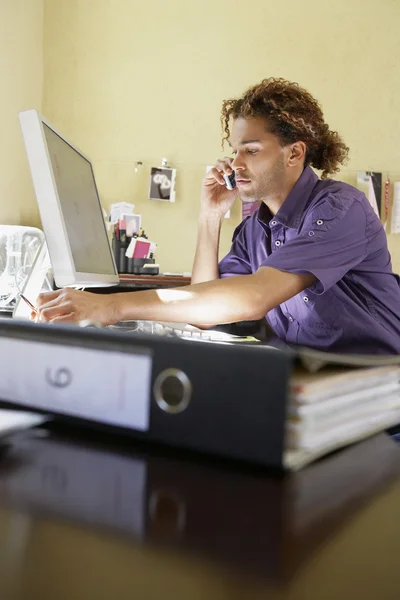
338 405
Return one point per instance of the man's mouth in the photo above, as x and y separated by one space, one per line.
242 181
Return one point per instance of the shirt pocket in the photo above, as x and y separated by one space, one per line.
315 311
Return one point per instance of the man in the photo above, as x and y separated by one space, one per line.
313 260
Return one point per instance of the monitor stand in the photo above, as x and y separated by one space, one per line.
39 279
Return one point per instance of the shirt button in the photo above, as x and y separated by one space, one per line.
277 243
311 233
305 298
291 319
273 223
320 222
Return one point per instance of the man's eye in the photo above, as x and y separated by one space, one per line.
251 151
234 152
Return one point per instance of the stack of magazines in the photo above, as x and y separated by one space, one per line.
335 400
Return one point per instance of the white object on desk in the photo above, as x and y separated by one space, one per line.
171 274
15 420
34 283
18 248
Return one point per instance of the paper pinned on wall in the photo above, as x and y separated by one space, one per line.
162 184
395 222
370 182
372 196
387 194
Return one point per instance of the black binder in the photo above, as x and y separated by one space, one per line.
223 399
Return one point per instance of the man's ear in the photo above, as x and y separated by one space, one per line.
297 153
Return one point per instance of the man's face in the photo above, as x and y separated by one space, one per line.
259 160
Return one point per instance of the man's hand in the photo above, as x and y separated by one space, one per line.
68 306
216 199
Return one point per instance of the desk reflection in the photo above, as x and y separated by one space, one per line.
232 514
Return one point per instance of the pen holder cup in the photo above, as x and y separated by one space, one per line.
134 266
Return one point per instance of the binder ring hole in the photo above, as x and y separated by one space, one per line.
172 391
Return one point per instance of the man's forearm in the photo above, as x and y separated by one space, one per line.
210 303
205 266
228 300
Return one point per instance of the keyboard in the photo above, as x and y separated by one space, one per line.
181 330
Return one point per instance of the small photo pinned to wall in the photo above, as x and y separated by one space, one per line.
162 184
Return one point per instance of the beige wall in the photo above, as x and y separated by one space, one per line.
128 80
21 76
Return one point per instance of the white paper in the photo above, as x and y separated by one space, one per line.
106 386
15 420
395 224
372 197
118 209
133 223
362 178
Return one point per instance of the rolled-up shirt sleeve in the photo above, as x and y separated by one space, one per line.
331 242
237 261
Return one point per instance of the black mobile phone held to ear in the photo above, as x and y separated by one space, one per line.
230 180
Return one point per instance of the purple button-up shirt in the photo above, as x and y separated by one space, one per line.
329 229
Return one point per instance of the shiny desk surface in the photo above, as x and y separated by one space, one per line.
85 516
154 281
134 283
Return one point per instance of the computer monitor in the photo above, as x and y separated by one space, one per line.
69 206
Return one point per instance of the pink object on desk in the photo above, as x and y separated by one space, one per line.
142 249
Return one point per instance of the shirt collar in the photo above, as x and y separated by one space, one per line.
289 214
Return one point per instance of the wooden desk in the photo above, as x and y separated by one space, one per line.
93 517
134 283
153 281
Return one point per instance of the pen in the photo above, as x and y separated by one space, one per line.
29 303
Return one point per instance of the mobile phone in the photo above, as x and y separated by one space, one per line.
230 180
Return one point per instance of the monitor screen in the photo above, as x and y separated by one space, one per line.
69 206
79 204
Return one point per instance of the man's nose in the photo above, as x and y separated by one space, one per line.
237 162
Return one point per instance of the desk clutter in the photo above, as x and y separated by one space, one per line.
18 248
276 408
346 400
133 251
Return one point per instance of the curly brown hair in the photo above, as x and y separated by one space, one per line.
292 115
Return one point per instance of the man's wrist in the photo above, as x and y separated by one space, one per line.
211 218
114 308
